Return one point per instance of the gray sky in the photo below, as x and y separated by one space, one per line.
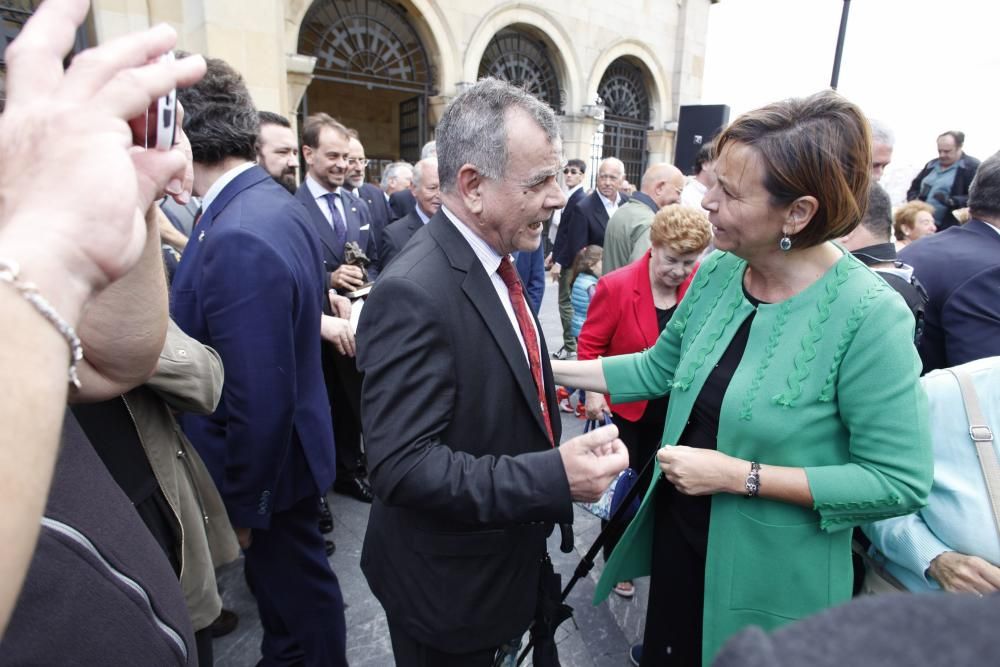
920 66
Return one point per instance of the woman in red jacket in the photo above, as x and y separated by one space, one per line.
630 308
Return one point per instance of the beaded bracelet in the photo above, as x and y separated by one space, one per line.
10 273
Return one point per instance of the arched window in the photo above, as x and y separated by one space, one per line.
515 56
626 116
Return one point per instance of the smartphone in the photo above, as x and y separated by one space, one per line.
158 127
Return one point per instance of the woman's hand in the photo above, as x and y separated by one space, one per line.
596 406
959 573
702 472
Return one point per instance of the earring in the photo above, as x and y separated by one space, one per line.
785 243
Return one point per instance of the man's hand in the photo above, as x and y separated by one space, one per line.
555 271
347 277
244 536
596 406
84 112
701 472
592 462
339 305
548 261
338 331
959 573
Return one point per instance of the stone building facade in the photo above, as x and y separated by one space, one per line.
616 72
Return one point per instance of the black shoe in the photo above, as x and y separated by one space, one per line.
330 547
224 624
356 487
325 518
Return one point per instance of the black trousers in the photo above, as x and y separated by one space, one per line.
409 652
343 386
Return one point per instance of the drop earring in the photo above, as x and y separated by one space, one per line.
785 243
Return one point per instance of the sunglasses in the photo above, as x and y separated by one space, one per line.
571 170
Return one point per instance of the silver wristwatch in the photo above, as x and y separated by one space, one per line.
753 480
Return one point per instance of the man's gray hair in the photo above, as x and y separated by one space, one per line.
392 171
429 150
418 170
473 129
984 193
881 134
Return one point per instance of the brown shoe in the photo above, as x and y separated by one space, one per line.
225 623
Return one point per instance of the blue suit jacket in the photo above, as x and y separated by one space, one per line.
531 268
381 214
359 225
960 269
588 221
249 285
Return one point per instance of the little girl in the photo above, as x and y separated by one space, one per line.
586 271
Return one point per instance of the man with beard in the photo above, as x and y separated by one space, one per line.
375 212
278 149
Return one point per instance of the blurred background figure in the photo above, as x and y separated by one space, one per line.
944 182
913 221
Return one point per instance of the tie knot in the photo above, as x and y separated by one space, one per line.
332 196
509 274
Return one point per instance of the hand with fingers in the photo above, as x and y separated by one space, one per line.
593 461
87 224
961 573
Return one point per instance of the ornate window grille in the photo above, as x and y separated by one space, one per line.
626 120
523 60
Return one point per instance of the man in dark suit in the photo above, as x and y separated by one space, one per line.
427 192
278 149
336 216
590 217
375 203
250 286
960 269
459 405
573 175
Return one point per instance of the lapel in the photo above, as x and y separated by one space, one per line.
352 211
479 288
642 302
319 222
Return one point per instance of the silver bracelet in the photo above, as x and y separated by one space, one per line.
10 273
753 480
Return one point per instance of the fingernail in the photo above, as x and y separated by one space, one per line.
184 197
174 186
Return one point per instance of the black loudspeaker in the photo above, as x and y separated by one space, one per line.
697 126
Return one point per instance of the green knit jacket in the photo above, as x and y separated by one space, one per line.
829 383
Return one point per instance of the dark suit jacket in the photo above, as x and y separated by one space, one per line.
249 285
588 223
467 484
395 236
960 269
402 203
531 268
561 247
374 198
358 221
621 319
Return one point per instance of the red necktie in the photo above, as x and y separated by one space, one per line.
509 275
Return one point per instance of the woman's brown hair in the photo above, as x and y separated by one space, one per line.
818 145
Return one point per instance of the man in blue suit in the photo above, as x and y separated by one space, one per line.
960 269
338 216
250 285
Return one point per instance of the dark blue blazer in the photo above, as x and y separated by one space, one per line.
249 285
359 223
960 269
561 251
402 203
589 220
378 205
531 268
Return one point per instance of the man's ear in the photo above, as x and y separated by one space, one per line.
800 214
307 154
470 184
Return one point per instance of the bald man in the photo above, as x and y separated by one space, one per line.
626 238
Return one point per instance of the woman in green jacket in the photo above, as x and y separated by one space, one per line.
795 411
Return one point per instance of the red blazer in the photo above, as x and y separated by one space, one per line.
622 319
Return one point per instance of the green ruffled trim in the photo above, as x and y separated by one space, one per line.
772 345
808 352
850 330
721 323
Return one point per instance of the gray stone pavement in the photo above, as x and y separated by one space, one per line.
595 637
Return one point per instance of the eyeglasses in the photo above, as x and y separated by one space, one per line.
571 171
357 162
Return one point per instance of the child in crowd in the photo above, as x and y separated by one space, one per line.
586 271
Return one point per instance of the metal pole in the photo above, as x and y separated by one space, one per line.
840 44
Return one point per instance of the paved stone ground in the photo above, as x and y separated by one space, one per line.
595 637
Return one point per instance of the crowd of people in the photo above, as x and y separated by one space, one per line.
786 360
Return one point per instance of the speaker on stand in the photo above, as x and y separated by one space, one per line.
697 126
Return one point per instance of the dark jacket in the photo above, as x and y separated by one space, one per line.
99 589
467 483
587 224
959 195
960 269
402 203
561 251
395 236
531 268
381 214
